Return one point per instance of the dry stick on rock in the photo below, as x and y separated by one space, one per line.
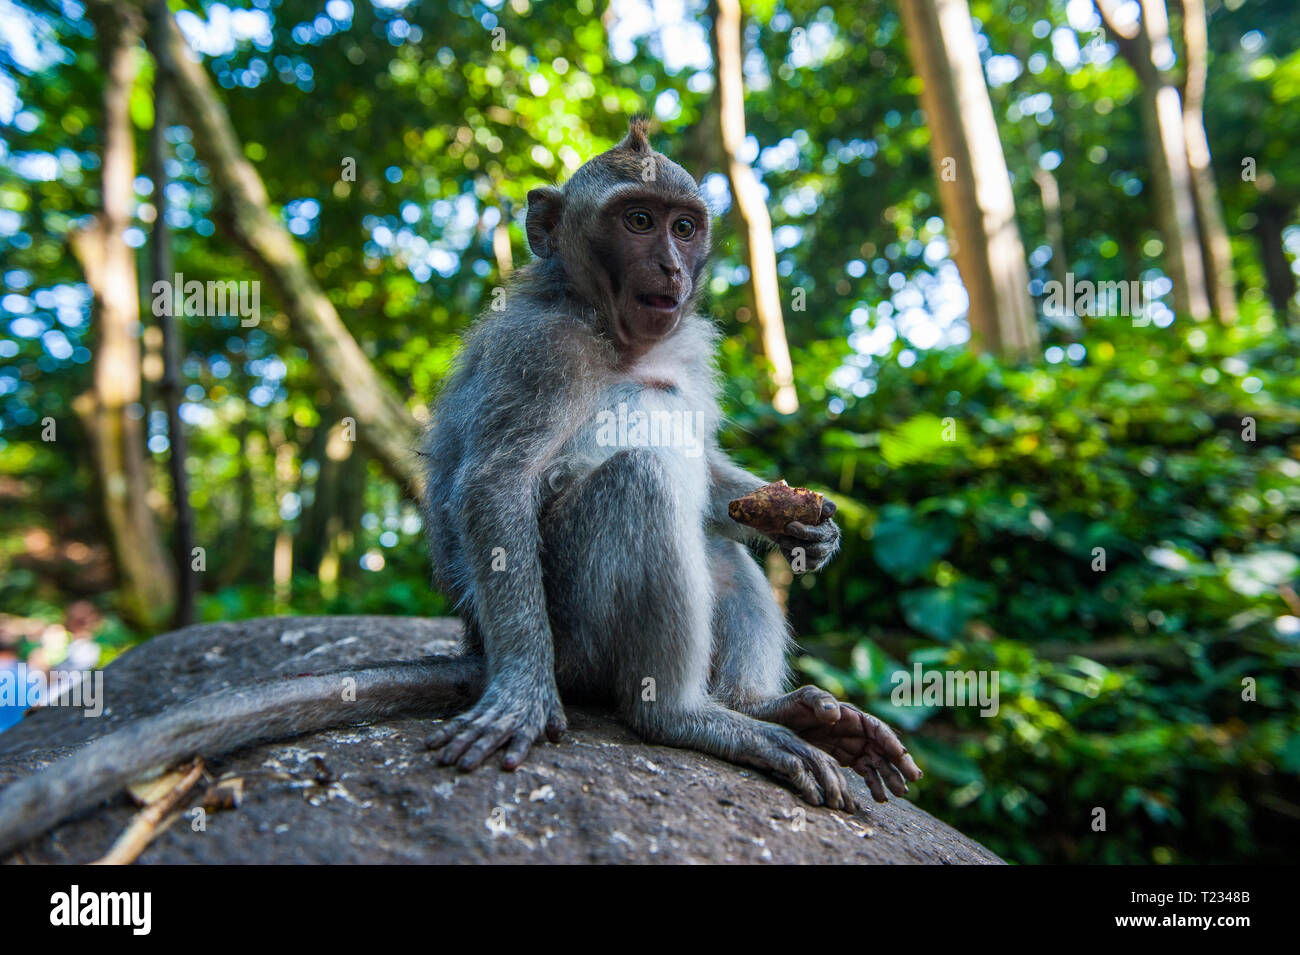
154 819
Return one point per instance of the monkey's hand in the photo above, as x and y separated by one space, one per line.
856 739
514 716
810 547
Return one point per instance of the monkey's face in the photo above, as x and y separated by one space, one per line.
654 250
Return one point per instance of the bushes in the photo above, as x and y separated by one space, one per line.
1117 537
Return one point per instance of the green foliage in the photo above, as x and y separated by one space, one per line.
1120 687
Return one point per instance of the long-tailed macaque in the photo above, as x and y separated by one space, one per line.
577 512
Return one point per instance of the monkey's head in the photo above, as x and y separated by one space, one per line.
630 234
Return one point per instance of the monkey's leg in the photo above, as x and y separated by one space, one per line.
750 644
630 595
228 720
751 640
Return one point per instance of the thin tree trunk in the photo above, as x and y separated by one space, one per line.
238 558
1216 251
974 184
336 529
501 238
383 421
170 385
309 542
352 508
147 580
747 198
1272 220
1147 49
288 477
1049 191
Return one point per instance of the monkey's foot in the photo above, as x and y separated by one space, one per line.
814 776
856 739
493 722
740 738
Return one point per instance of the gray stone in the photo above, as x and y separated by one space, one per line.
372 794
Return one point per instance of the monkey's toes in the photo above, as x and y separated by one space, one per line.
800 709
822 705
814 775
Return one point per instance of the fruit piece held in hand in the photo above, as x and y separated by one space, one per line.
773 506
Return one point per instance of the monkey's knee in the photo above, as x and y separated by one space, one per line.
738 579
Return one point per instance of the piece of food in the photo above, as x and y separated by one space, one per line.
773 506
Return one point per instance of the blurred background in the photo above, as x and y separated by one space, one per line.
1094 497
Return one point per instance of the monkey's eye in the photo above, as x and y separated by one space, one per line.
683 228
638 220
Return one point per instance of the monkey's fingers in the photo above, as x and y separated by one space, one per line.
813 532
456 736
519 746
556 726
443 733
891 748
491 736
830 784
523 740
837 793
828 510
875 769
872 779
801 710
797 775
878 738
777 751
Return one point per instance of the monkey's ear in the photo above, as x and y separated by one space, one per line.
544 208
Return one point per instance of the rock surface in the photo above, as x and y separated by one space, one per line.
372 794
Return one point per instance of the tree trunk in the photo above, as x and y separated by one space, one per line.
1273 219
288 477
383 421
974 185
169 387
147 580
236 560
1053 223
1147 49
1049 191
1216 251
309 542
747 199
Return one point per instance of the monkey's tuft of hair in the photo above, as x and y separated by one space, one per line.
637 139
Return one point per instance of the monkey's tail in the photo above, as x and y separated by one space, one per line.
228 720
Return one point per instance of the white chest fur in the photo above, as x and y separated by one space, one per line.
664 403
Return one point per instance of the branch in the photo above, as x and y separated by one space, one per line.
385 423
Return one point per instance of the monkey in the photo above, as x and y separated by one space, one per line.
595 567
576 515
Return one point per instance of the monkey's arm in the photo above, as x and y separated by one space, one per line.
727 482
228 720
503 549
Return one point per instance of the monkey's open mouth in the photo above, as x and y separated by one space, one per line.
664 302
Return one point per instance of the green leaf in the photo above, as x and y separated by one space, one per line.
905 546
921 438
942 612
